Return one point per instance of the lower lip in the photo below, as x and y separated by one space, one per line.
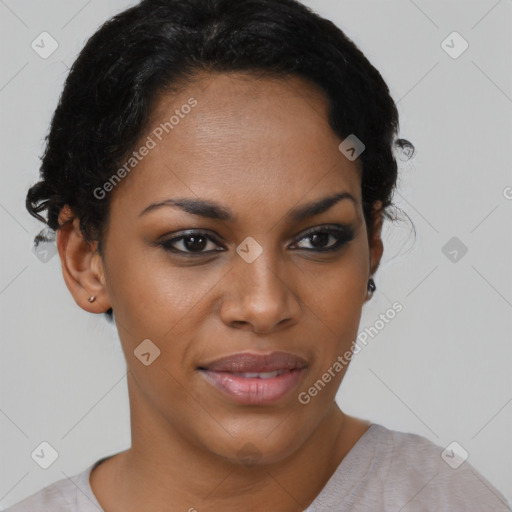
254 391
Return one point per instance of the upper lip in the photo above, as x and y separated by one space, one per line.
246 362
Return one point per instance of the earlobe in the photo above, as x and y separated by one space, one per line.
376 247
82 267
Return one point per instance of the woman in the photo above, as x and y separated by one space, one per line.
217 173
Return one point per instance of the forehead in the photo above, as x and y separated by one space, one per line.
237 135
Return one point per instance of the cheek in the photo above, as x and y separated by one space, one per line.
155 300
335 295
338 288
150 293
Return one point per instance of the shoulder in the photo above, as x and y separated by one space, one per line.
58 497
66 495
419 473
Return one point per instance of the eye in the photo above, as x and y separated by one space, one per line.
192 242
325 239
321 239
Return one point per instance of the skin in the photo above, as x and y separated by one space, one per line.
259 148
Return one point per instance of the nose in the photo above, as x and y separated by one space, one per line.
260 296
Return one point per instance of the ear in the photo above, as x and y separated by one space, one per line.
82 267
375 244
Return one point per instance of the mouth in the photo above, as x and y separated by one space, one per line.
255 379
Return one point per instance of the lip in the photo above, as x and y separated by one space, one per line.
227 376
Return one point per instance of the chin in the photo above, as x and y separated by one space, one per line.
257 448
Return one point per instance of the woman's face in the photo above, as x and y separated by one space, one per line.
249 293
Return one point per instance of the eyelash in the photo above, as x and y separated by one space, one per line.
343 235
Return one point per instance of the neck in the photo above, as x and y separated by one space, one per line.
163 467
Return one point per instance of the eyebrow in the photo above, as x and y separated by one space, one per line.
212 210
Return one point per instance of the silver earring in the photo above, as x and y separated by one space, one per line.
371 285
92 299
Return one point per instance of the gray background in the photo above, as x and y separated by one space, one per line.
441 368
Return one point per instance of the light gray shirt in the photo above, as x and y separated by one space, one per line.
385 470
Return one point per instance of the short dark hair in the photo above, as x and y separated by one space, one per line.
159 45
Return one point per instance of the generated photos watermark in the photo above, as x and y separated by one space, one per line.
343 360
137 156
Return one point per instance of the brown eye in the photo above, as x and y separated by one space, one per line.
326 239
191 243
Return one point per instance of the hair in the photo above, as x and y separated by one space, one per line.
159 46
